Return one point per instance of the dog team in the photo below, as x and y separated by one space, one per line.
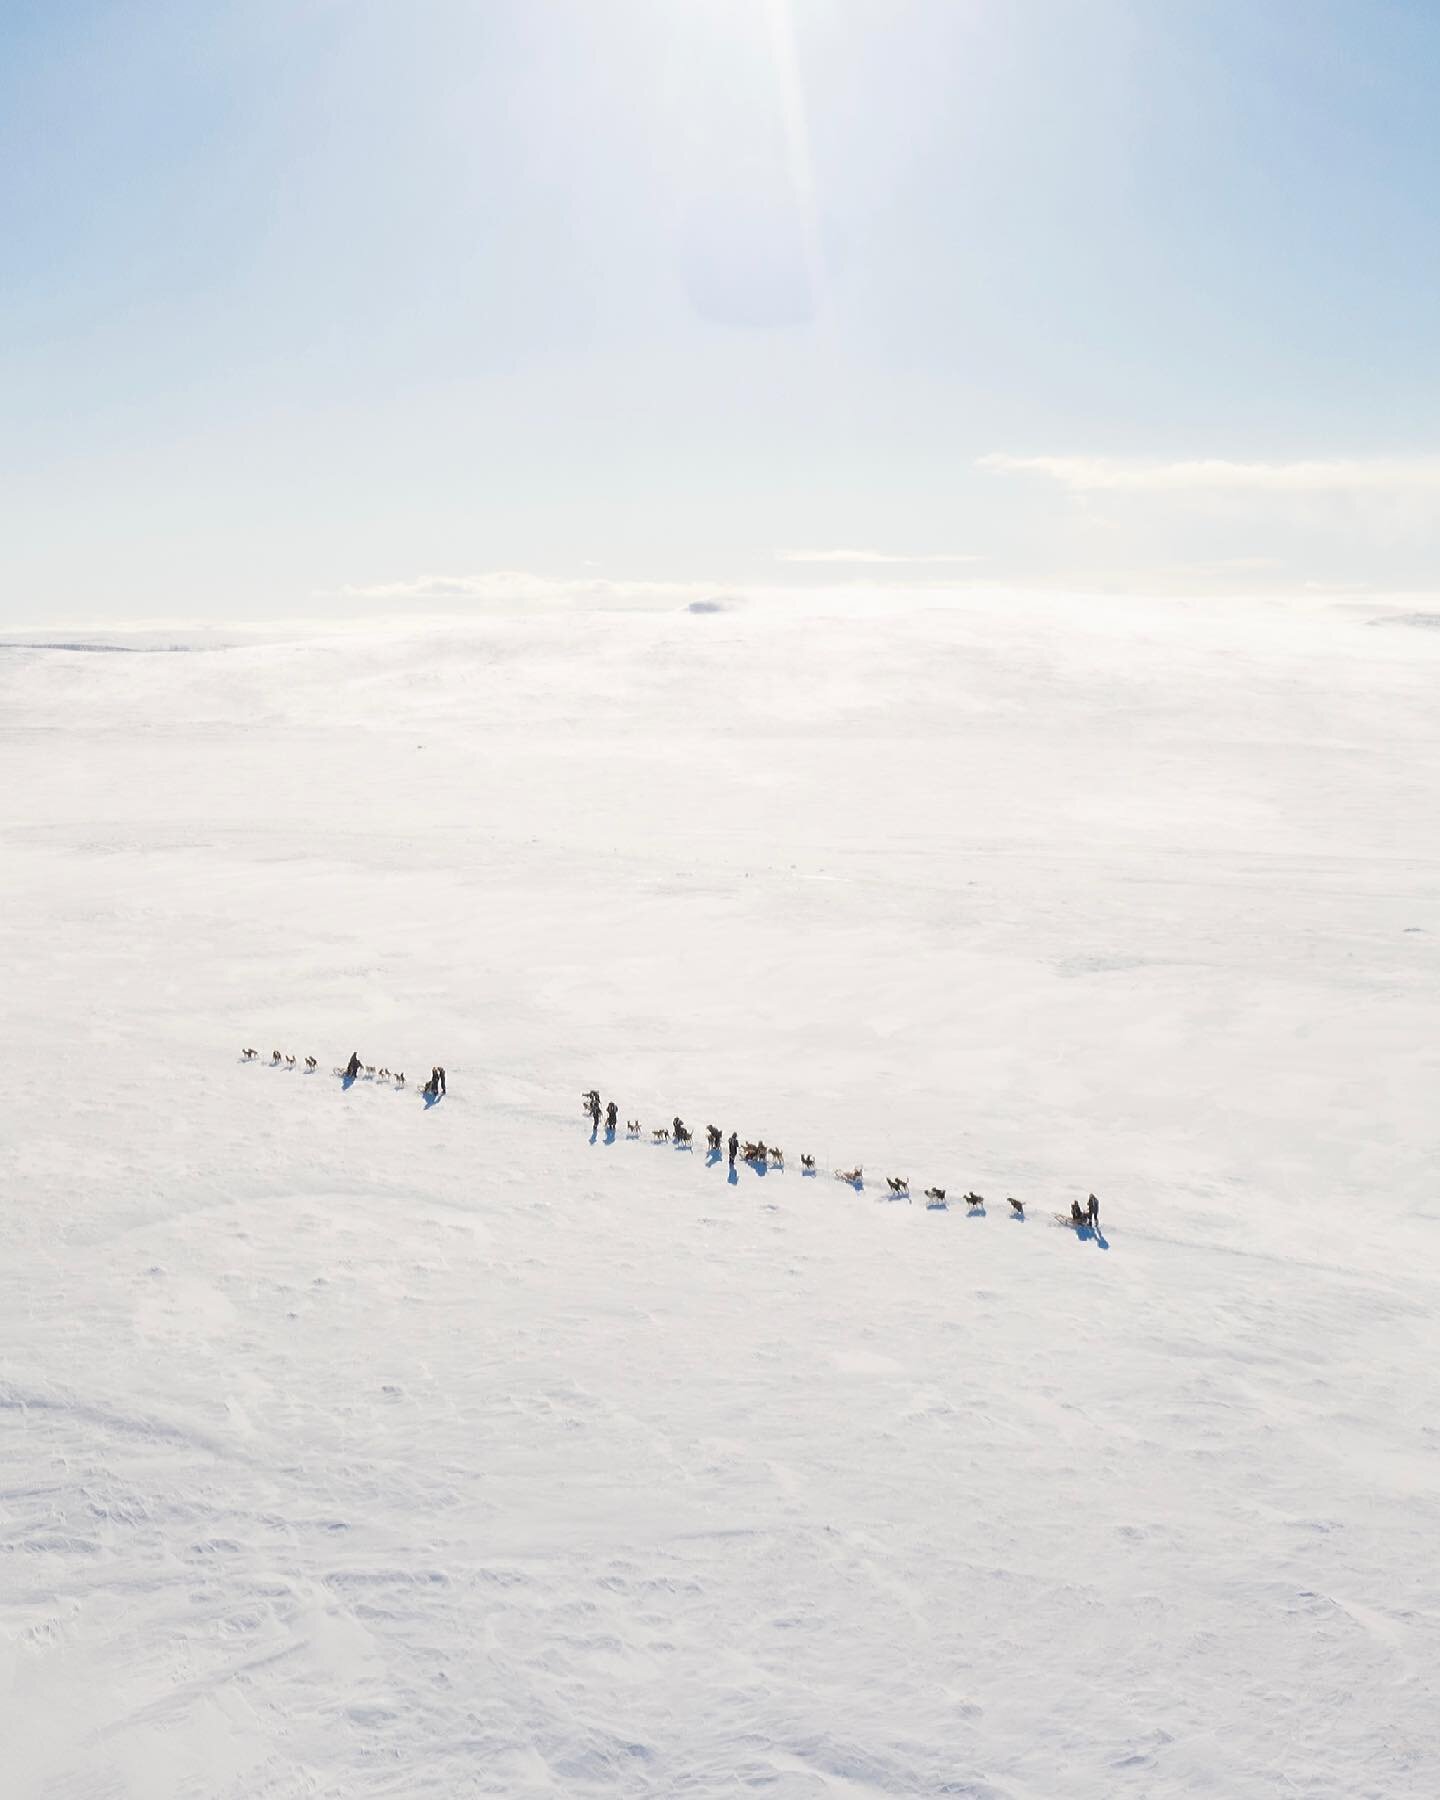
757 1153
761 1155
277 1061
354 1069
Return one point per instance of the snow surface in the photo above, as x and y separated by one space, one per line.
354 1447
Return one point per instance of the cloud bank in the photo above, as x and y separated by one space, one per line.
870 556
1091 474
520 584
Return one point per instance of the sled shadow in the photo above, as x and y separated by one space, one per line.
760 1168
711 1158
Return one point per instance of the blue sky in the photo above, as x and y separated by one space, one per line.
360 301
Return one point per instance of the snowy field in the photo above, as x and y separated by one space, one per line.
350 1447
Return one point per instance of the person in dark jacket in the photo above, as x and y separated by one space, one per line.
352 1068
611 1114
1092 1211
733 1146
440 1077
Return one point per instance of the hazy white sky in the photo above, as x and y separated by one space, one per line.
369 300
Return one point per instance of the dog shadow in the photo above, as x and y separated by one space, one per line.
807 1174
975 1212
711 1158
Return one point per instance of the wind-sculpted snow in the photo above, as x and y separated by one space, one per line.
349 1447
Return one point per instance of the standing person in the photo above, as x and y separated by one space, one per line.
440 1076
611 1114
732 1146
595 1112
1092 1212
352 1068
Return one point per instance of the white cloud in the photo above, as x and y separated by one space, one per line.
521 584
1089 474
868 556
1226 565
